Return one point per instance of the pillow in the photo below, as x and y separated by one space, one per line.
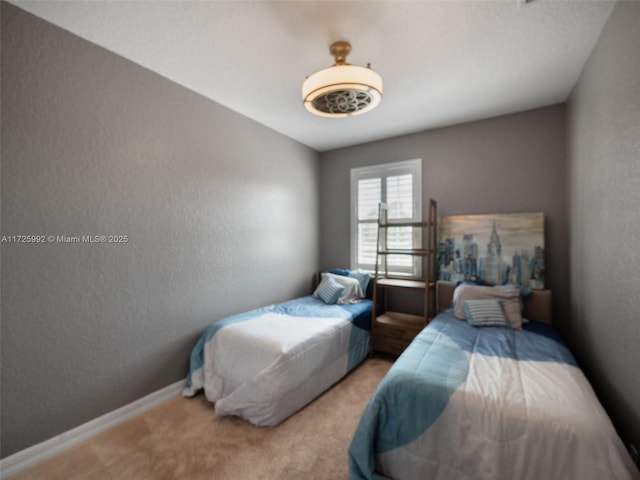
340 271
362 276
485 313
477 281
524 292
352 290
329 290
510 298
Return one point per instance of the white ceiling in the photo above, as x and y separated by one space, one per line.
442 62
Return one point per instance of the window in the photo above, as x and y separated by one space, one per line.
398 184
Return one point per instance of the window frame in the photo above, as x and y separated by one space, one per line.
382 171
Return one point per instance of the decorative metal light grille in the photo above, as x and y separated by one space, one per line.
343 101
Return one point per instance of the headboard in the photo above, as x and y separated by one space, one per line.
537 305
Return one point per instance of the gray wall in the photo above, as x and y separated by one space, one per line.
216 208
604 173
513 163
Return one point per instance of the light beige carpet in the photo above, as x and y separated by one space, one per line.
185 439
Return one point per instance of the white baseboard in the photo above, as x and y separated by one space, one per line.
37 453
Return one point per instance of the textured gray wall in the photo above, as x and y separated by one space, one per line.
513 163
216 208
604 173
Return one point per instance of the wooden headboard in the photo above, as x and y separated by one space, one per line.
537 305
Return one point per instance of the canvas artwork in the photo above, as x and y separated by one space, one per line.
494 249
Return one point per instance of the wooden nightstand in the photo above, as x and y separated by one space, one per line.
393 331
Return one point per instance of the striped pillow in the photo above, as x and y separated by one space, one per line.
330 290
510 298
485 313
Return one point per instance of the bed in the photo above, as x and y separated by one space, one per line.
468 402
266 364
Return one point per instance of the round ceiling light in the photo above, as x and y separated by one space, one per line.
343 89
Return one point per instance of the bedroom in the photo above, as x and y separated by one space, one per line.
224 214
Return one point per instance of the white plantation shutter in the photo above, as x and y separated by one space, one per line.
369 197
400 201
400 197
399 185
367 245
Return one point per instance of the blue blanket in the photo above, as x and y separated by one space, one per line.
462 401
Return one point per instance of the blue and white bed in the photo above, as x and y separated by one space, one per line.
266 364
466 402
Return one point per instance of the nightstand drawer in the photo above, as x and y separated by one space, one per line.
400 332
389 345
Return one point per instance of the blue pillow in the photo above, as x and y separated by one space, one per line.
360 275
340 271
330 290
485 313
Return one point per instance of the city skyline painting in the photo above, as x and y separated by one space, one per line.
492 248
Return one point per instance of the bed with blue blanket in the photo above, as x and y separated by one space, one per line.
266 364
468 402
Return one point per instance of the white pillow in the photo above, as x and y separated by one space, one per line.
510 298
352 289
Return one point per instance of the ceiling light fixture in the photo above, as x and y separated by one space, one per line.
343 89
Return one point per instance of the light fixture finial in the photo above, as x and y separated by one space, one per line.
340 50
